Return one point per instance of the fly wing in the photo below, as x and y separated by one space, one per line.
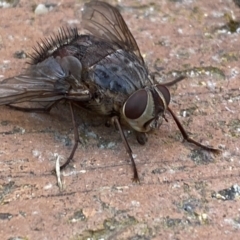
44 82
105 21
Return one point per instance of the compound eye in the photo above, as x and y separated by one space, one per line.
165 92
136 104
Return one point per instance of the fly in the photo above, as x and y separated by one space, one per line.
102 71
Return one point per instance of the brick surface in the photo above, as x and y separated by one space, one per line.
178 196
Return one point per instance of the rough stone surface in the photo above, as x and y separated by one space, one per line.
181 191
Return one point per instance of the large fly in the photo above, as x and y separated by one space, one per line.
102 71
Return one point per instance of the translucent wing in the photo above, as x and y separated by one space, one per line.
44 82
106 22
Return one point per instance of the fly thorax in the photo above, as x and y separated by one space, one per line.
144 109
119 72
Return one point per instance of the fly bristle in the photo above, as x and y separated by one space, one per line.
47 46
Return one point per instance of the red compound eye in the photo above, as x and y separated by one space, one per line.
165 92
136 104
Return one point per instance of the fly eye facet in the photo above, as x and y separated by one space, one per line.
136 104
165 93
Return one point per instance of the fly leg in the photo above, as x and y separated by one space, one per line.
76 139
186 136
127 147
174 81
45 109
169 83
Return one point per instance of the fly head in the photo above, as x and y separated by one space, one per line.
145 109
